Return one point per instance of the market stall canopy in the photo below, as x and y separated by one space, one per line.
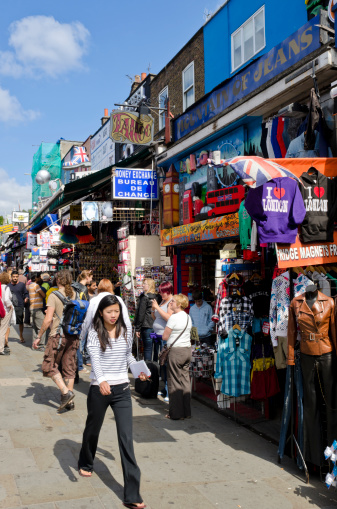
255 171
47 221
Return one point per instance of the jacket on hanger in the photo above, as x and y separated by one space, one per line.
280 302
317 326
319 196
277 207
233 363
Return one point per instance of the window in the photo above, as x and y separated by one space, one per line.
188 86
162 104
248 40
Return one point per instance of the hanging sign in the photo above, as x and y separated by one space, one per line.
135 184
76 212
126 127
301 255
211 229
20 217
31 240
6 228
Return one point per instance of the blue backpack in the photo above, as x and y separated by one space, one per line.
74 312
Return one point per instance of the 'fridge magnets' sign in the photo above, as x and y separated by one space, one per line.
135 184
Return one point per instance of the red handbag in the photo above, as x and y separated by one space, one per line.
2 307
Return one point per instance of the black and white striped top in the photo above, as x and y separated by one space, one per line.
112 365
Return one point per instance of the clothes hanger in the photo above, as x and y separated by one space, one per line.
312 171
234 274
237 327
255 275
322 269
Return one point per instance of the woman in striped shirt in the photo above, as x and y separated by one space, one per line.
109 344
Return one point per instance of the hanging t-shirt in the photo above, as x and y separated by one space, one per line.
260 296
320 200
277 207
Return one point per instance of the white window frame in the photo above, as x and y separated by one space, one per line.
241 29
191 64
162 118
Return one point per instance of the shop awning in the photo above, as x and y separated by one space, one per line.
83 187
218 228
48 220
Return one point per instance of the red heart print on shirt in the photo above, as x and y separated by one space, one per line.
319 192
279 192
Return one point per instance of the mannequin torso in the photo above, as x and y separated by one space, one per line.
311 293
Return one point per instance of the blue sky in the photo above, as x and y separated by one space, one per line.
62 63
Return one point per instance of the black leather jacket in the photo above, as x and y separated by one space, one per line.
143 316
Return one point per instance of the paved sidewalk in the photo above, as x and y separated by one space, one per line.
206 462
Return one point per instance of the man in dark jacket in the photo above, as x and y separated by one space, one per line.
20 297
143 320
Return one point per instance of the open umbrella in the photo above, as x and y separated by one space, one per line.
255 171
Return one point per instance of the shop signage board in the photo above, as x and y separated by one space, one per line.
20 217
301 255
76 212
277 60
135 184
6 228
212 229
127 127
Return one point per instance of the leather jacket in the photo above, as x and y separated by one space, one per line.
317 326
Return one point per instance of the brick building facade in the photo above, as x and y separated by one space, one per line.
172 77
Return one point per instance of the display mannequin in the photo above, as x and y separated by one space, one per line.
311 294
313 315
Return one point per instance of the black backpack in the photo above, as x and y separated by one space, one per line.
149 388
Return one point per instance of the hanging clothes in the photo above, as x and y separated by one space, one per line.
320 200
274 141
233 363
270 150
260 296
279 136
280 302
277 207
245 226
263 142
235 311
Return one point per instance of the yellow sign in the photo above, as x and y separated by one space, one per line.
127 127
76 212
210 229
6 228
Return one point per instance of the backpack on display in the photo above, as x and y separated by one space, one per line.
2 307
149 388
74 312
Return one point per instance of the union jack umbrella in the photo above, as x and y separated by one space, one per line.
79 157
255 171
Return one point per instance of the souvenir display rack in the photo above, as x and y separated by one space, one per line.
157 273
102 260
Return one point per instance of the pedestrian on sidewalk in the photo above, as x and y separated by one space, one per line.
92 289
60 346
36 298
143 322
201 315
81 284
20 298
110 347
178 331
5 322
22 277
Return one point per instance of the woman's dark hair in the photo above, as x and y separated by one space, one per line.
102 333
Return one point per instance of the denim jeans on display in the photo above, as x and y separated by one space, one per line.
147 342
286 414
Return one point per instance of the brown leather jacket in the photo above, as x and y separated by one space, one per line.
317 326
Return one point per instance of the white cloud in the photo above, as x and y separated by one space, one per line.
11 110
13 193
43 46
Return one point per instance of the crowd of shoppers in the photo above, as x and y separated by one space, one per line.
105 345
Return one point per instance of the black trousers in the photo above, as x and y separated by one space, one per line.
120 402
319 379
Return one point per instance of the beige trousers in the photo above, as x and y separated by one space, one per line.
4 324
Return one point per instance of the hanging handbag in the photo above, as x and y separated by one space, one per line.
163 356
194 334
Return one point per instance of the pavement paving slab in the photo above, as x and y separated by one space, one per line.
203 463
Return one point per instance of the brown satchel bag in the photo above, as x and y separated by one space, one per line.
163 356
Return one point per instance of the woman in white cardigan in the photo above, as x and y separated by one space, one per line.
6 296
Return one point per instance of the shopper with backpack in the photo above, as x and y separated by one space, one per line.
64 316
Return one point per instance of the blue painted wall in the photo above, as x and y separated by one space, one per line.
281 20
